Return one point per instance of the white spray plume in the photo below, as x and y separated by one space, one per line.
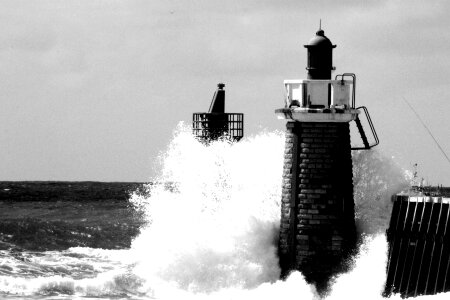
213 231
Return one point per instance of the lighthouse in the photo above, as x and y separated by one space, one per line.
215 124
317 229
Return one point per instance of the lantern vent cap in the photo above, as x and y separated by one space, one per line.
320 40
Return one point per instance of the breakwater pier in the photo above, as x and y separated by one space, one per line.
419 243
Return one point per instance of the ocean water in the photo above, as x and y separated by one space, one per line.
206 228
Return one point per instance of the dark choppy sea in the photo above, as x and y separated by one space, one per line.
52 233
45 216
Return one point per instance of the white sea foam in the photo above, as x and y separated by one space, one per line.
216 228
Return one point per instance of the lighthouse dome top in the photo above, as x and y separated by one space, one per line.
320 40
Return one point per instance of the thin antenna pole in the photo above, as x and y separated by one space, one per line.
320 24
429 132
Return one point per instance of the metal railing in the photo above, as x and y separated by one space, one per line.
354 85
212 126
363 134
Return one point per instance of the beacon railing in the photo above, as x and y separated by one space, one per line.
353 84
211 126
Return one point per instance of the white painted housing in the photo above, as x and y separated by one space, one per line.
318 93
318 101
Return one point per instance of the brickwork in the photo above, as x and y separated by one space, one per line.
317 210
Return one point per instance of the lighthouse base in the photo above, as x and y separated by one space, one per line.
317 230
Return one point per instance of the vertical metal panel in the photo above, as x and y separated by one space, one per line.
397 245
442 230
413 267
432 266
410 243
425 249
393 247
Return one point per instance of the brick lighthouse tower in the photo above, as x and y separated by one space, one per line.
317 230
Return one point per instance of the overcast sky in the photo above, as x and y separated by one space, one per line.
92 90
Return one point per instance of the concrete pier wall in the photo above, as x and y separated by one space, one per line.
317 210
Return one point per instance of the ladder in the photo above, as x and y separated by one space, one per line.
367 146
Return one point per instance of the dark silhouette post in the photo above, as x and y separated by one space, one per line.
216 123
